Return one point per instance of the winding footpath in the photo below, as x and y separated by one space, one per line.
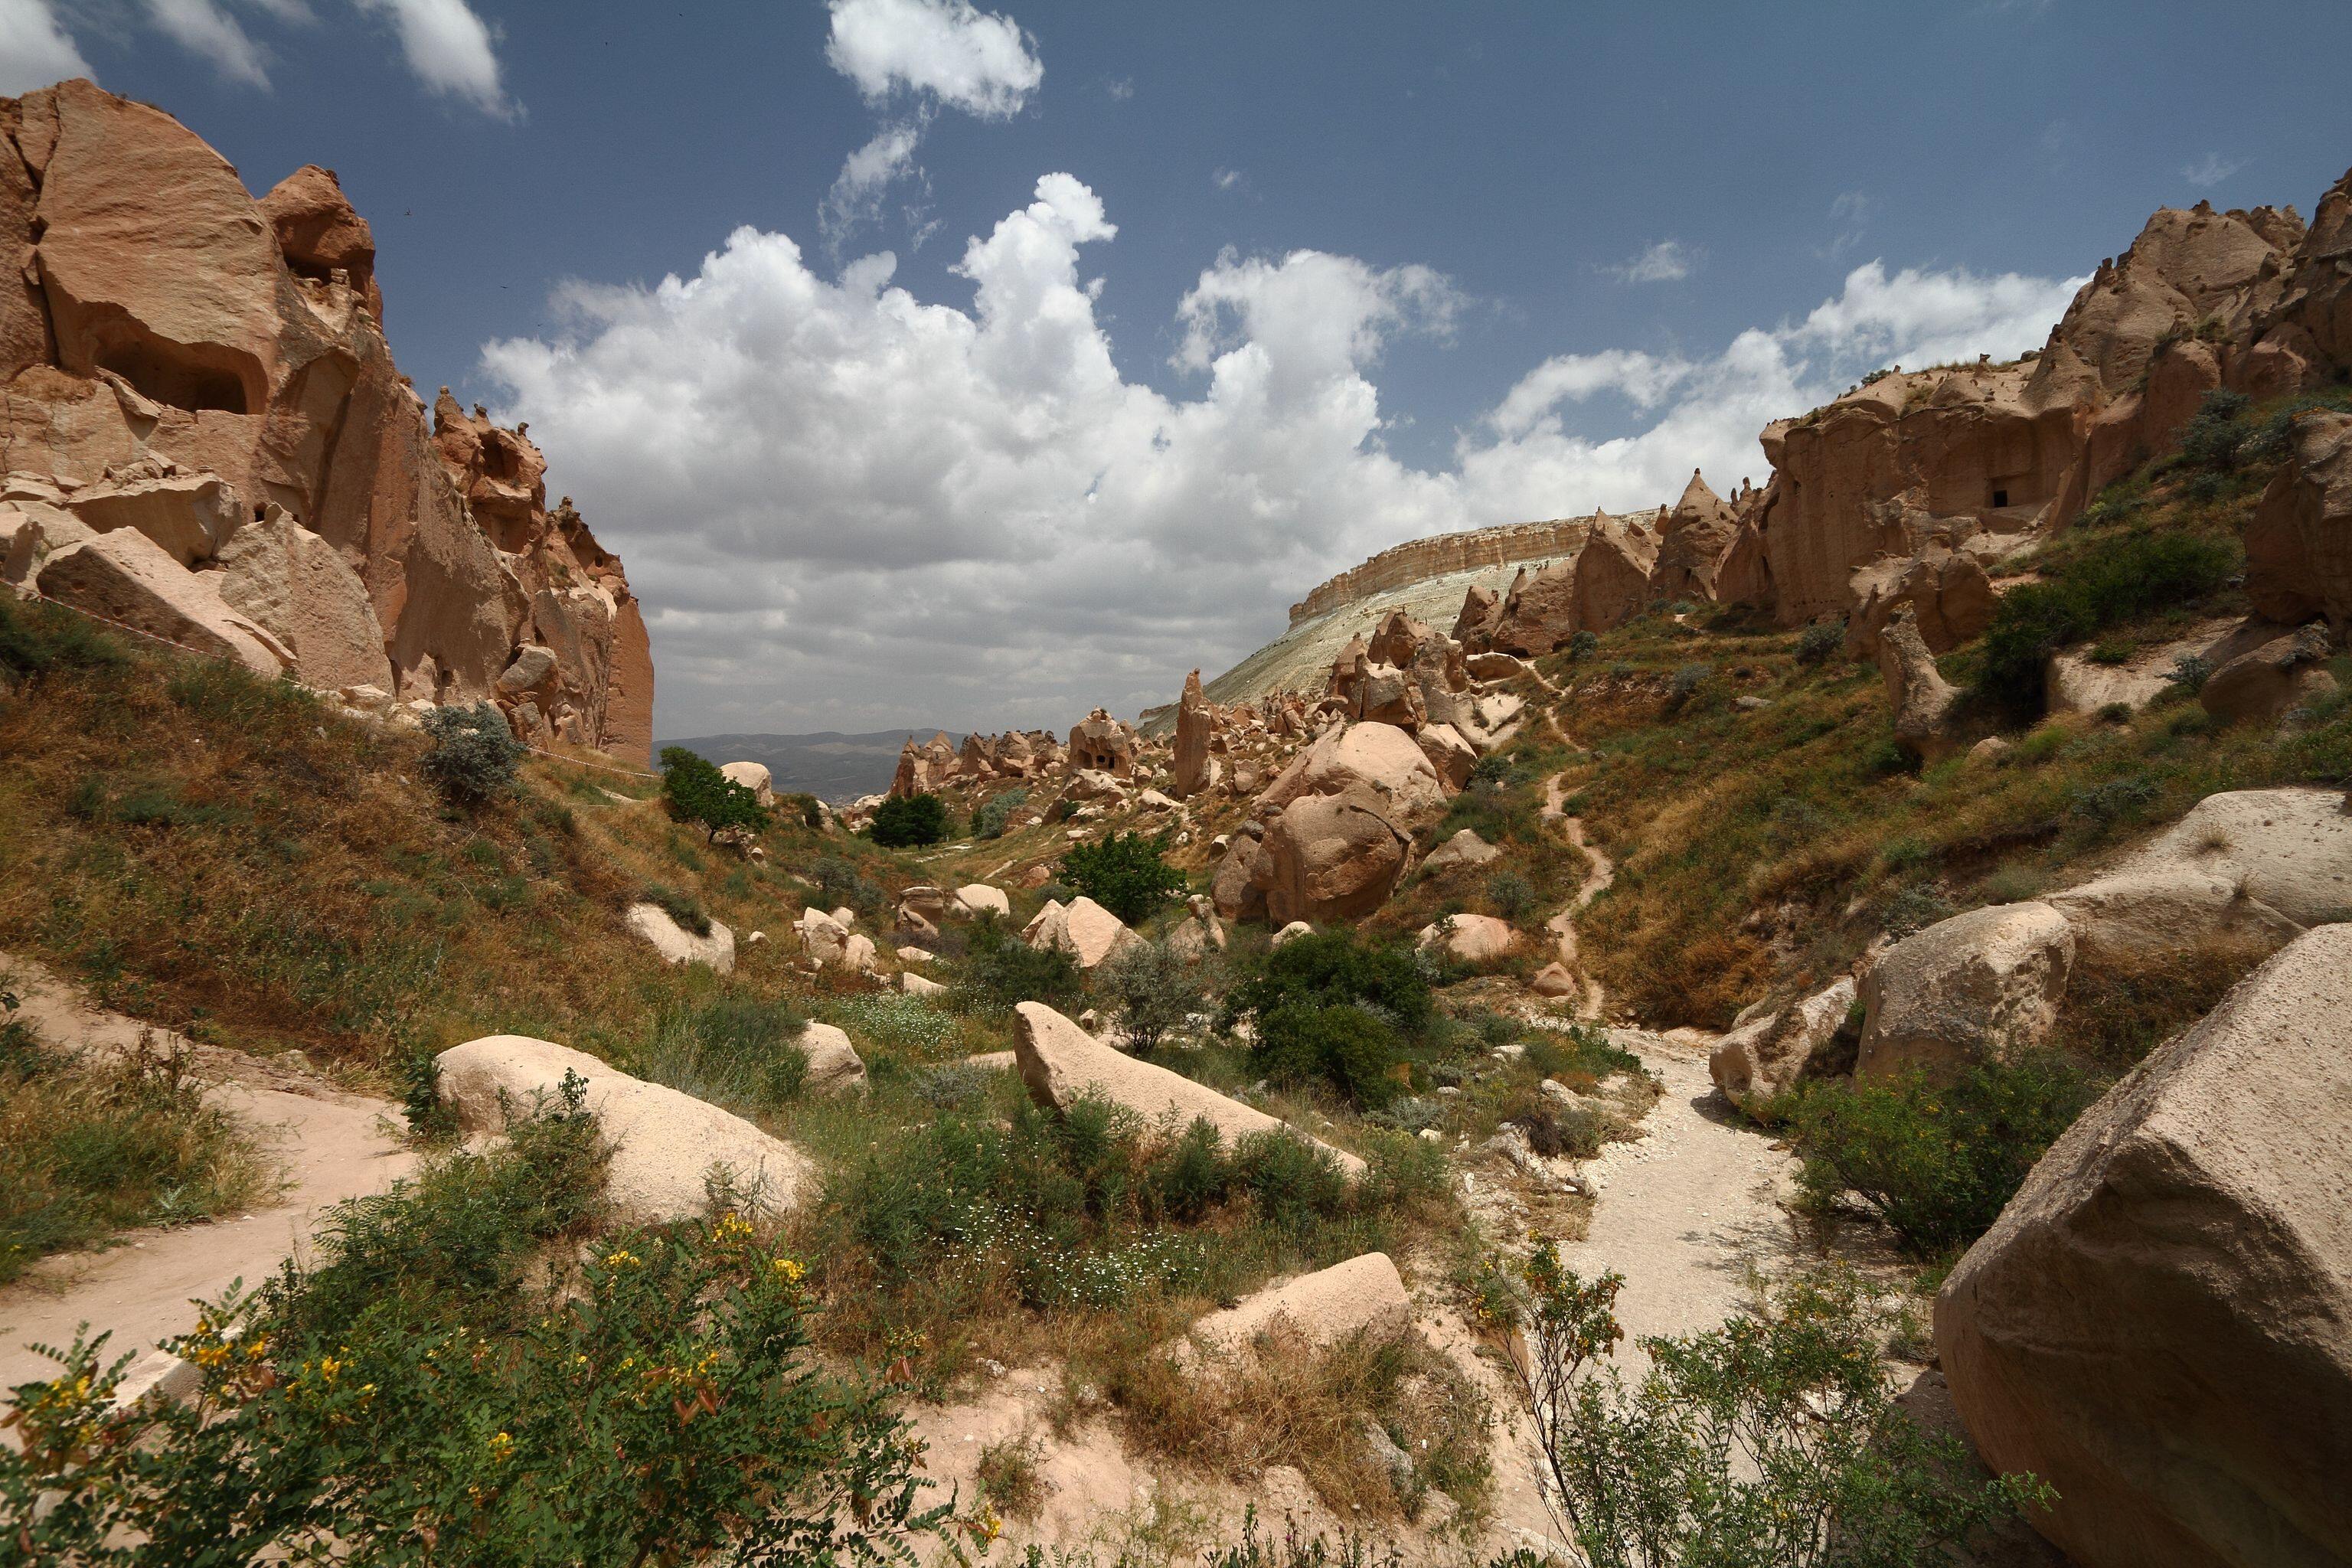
331 1145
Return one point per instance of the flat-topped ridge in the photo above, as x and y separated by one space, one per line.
1417 559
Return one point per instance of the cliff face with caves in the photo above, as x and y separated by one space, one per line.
205 438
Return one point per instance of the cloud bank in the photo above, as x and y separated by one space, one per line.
845 506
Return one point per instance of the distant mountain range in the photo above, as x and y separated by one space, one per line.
827 765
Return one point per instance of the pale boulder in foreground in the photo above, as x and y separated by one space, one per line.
834 1065
1062 1064
666 1145
2159 1325
678 945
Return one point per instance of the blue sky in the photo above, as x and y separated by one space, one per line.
1186 305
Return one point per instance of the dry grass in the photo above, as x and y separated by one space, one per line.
2115 1012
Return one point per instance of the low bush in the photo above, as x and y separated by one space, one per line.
839 882
1344 1046
473 757
733 1049
989 818
1936 1162
909 821
694 791
1339 966
1820 642
1775 1439
2104 584
1512 894
1126 873
1151 991
999 971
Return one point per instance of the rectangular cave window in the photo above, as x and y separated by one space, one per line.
2001 498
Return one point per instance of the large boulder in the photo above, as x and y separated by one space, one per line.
660 931
1380 758
1465 848
1948 592
2129 916
753 776
1236 892
299 586
1330 857
1470 939
1981 984
1766 1057
666 1146
190 515
835 1067
830 943
977 898
1061 1064
1083 929
2289 850
1365 1295
2264 682
128 578
2159 1325
1923 700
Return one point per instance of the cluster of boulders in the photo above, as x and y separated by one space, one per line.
208 442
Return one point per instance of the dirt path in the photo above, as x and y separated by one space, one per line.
333 1145
1599 872
1686 1212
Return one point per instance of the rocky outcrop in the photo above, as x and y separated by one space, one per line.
834 1065
2299 542
1470 939
1949 593
1418 560
1979 985
1696 535
127 578
283 577
2289 850
2265 682
1332 856
179 358
660 931
1061 1064
667 1147
1604 585
1921 698
1088 933
753 776
2159 1325
1465 848
1191 772
1365 1295
1767 1056
1104 743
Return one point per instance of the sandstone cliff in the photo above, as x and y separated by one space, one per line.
1418 558
171 346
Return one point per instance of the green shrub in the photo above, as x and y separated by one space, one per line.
695 791
1512 894
473 757
1583 645
802 808
667 1410
1291 1181
1126 873
1344 1045
998 969
1820 642
680 906
2216 434
909 821
1775 1441
2110 583
732 1049
1936 1162
839 882
1340 967
989 817
1151 991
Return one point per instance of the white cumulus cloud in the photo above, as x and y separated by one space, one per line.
978 62
35 47
1668 261
202 27
847 507
2210 169
452 50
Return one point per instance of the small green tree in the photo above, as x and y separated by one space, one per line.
909 821
1774 1441
1151 991
1126 873
474 755
696 792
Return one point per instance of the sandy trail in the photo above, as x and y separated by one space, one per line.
1686 1212
332 1145
1599 872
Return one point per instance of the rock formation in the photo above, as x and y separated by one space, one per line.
1193 721
182 358
2159 1325
2299 543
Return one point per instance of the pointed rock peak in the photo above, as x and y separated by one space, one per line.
1192 697
1697 497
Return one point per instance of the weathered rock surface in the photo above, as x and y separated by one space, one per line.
1083 929
1918 693
169 343
1766 1056
1330 857
1981 984
2288 849
753 776
2135 915
1190 769
127 578
1465 848
1471 939
678 945
2299 542
2159 1325
1365 1295
299 587
666 1145
834 1065
1061 1064
2261 684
